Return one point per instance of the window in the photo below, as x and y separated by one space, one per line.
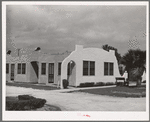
23 68
19 68
88 68
85 67
111 68
59 68
7 68
43 69
105 68
108 68
92 68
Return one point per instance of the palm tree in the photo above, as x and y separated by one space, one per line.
135 61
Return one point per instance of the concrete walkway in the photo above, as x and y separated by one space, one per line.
52 87
81 101
76 89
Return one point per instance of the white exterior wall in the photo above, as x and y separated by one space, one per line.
22 77
50 59
99 67
44 59
15 60
43 78
90 54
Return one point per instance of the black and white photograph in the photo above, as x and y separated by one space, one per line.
75 60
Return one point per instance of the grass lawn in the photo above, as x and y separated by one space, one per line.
31 85
118 91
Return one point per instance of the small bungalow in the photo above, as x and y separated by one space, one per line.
89 65
80 66
22 69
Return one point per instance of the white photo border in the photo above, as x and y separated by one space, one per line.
70 115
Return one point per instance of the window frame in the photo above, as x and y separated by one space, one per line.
19 67
51 72
108 71
23 68
7 68
42 69
92 68
59 68
111 72
87 69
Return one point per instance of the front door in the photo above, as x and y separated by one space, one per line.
12 74
51 73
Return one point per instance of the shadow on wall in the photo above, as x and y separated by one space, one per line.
71 73
34 71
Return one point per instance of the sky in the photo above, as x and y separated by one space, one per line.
57 28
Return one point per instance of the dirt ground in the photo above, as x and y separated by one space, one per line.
81 101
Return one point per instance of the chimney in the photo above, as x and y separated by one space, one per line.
79 47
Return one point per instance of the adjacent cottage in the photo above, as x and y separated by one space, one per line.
80 66
22 69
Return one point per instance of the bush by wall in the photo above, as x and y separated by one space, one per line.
24 102
87 84
110 83
100 84
65 83
90 84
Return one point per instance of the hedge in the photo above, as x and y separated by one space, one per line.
100 84
90 84
110 83
25 97
24 102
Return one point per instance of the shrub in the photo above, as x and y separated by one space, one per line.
17 105
87 84
65 83
27 104
25 97
100 84
37 103
109 83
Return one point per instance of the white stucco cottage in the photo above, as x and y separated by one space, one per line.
80 66
90 65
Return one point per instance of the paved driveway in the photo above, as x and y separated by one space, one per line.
81 101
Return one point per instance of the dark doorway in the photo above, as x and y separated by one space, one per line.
35 66
51 73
